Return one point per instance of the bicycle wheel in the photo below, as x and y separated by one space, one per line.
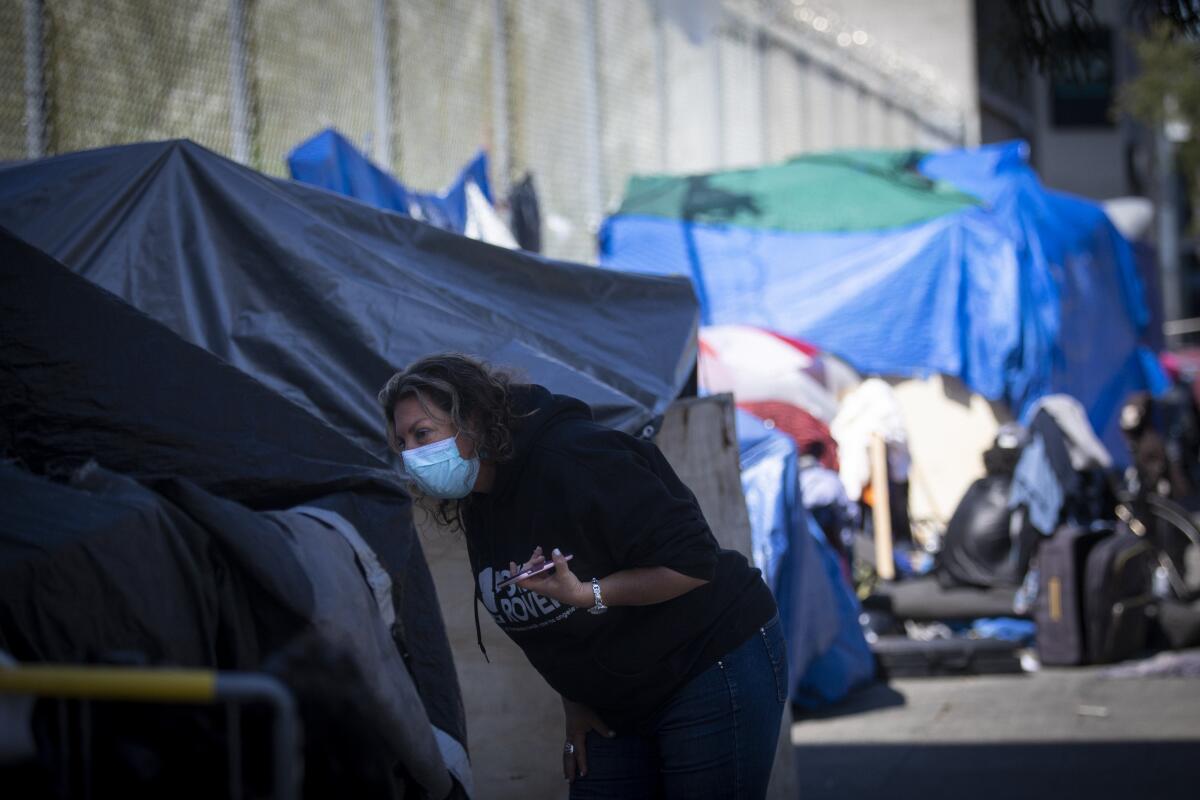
1176 541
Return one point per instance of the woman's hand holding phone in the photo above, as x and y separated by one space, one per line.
529 570
558 584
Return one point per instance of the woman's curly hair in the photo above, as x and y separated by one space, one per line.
476 396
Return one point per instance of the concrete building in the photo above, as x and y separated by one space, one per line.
1078 142
968 46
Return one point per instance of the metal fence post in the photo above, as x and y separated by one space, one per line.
662 88
804 103
591 99
1167 215
286 734
383 87
837 109
718 91
865 119
761 45
500 142
35 80
239 90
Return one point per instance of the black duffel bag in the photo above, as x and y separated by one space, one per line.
986 545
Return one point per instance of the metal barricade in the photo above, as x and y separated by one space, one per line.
87 684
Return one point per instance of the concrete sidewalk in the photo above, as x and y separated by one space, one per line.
1057 734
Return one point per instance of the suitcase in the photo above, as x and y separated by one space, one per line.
1058 611
1117 595
901 657
1094 590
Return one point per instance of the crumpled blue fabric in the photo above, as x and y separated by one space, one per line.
329 160
1035 486
827 653
1010 629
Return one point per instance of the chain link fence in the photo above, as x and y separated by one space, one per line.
442 86
579 93
127 70
310 66
12 82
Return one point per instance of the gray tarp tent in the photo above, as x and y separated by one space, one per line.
321 297
177 568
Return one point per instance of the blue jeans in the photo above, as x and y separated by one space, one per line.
716 739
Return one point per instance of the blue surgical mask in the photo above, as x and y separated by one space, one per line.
440 471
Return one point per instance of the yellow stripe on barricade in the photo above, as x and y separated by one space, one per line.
152 685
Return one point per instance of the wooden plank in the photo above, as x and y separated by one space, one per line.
881 510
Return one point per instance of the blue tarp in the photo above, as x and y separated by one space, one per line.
330 161
1031 294
1084 314
827 654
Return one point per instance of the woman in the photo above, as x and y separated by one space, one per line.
666 650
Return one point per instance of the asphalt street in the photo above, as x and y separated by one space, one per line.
1057 734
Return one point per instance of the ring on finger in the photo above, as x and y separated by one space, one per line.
569 749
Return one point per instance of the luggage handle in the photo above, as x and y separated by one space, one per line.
1123 558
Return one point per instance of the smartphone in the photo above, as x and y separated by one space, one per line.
529 573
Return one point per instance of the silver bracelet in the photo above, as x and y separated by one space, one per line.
599 607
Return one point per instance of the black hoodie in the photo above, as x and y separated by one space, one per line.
614 503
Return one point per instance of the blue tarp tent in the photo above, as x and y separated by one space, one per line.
827 654
330 161
959 263
1083 306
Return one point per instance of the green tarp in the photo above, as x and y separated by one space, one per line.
842 191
